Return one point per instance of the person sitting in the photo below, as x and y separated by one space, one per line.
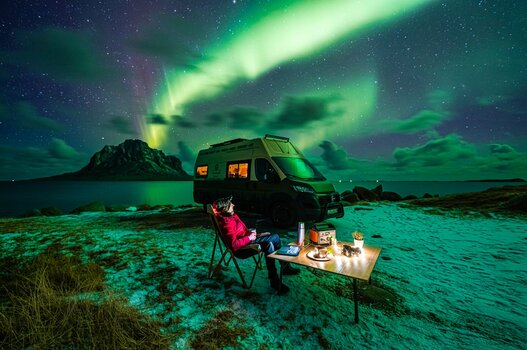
239 236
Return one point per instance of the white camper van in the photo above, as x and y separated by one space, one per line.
268 176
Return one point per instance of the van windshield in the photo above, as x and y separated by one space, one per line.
298 168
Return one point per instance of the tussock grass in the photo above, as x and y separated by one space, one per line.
56 302
224 330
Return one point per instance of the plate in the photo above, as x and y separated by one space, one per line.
311 255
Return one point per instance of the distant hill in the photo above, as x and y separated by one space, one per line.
497 180
131 160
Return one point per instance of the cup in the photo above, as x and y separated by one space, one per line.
322 253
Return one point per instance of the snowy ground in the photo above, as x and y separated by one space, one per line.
442 281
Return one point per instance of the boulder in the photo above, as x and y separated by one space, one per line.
427 195
378 191
33 212
391 196
409 197
92 207
517 203
364 194
349 196
51 211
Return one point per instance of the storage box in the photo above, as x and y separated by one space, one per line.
322 233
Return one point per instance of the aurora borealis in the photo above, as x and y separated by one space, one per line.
392 90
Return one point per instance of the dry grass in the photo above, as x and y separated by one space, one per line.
45 308
224 330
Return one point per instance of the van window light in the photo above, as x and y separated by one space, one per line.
238 170
202 171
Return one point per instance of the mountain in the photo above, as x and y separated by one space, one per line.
131 160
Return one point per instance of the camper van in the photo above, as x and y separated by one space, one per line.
266 175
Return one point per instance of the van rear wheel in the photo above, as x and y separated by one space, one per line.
283 214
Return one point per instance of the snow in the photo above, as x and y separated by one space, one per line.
455 281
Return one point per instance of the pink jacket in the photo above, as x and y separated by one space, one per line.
235 231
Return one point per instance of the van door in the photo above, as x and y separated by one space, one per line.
267 183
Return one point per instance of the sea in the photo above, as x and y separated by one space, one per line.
19 197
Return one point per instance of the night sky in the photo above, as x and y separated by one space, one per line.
380 89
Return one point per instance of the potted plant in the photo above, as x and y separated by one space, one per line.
358 239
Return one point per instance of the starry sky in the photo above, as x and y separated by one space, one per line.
380 89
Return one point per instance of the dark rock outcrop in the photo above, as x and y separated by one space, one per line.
364 194
349 197
391 196
131 160
51 211
93 206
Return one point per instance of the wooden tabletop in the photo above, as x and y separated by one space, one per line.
359 267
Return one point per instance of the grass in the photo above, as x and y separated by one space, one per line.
55 301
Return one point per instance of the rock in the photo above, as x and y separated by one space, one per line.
51 211
364 194
391 196
144 207
349 196
409 197
33 212
378 191
427 195
517 203
93 207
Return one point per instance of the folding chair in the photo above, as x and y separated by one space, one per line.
251 250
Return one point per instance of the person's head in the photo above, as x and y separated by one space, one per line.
224 205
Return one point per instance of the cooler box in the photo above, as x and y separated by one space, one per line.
322 233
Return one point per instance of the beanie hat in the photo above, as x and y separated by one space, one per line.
222 204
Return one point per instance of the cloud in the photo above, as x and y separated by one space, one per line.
422 121
59 149
64 54
301 111
31 162
26 115
122 125
503 152
182 122
438 152
336 158
242 117
186 154
157 119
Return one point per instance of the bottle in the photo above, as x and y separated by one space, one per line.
301 232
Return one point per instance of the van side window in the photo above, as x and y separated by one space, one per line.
202 170
238 170
264 171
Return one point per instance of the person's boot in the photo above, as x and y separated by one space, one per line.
288 269
280 287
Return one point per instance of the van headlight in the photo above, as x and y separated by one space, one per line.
303 189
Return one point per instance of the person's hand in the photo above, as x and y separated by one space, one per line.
252 236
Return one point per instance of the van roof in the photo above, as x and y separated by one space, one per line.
267 136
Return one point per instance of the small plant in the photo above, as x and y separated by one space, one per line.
358 235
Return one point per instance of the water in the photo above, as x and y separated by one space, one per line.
419 188
18 197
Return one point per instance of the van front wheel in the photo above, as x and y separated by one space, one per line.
283 214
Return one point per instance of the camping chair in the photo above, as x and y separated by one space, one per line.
251 250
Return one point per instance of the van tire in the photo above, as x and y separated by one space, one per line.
283 214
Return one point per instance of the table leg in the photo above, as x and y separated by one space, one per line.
281 273
356 300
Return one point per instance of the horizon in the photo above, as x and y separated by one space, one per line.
407 89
